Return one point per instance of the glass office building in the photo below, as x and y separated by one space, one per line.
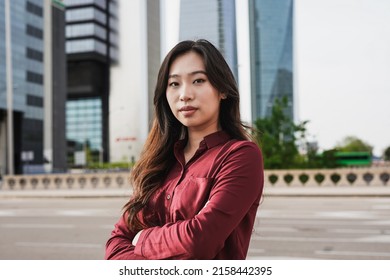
214 20
91 47
271 50
28 74
84 122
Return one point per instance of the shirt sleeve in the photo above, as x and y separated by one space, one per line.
237 187
119 246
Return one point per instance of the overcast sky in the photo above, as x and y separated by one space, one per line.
342 68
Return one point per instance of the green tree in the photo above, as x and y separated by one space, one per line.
328 159
277 136
386 154
353 144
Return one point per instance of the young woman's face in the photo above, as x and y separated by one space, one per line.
191 97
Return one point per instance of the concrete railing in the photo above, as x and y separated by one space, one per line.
67 181
375 176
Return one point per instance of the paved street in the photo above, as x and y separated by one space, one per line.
322 228
286 228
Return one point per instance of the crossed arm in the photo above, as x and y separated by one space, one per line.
236 190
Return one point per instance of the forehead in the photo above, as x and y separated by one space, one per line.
187 63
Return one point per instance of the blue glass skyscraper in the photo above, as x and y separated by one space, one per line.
271 48
26 51
214 20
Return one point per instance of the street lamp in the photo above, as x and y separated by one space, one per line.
9 87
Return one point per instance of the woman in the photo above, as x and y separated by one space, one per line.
199 180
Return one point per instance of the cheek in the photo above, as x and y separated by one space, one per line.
170 102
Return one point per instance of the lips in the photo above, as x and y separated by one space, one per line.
187 110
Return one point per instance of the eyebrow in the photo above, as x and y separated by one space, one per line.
191 74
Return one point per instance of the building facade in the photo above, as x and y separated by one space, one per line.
91 48
54 87
23 58
271 52
113 56
133 78
213 20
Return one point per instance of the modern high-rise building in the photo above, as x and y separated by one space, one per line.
54 87
213 20
91 48
133 78
113 56
271 52
25 95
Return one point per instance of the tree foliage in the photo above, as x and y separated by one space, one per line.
277 136
386 154
354 144
280 138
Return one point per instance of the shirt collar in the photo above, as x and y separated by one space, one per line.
216 138
208 142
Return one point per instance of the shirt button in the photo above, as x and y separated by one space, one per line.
168 196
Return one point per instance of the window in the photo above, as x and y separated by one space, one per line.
34 9
85 29
86 45
35 78
83 122
34 31
34 101
34 54
84 14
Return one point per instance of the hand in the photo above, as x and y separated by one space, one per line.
135 239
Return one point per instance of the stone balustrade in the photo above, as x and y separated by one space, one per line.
67 181
376 176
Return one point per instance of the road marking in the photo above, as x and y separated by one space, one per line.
315 239
55 213
31 226
354 231
313 228
318 215
256 251
322 223
58 245
346 214
376 239
352 253
107 226
381 207
82 213
275 229
276 258
7 213
377 223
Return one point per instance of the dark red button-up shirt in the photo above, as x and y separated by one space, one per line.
205 209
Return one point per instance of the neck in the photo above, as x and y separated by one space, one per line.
196 136
194 140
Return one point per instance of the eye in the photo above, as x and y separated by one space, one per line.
173 84
199 81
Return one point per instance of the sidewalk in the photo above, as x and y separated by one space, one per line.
342 191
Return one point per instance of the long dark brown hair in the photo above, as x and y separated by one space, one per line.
157 156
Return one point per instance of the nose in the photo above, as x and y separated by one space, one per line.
185 93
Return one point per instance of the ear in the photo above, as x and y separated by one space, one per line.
223 96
